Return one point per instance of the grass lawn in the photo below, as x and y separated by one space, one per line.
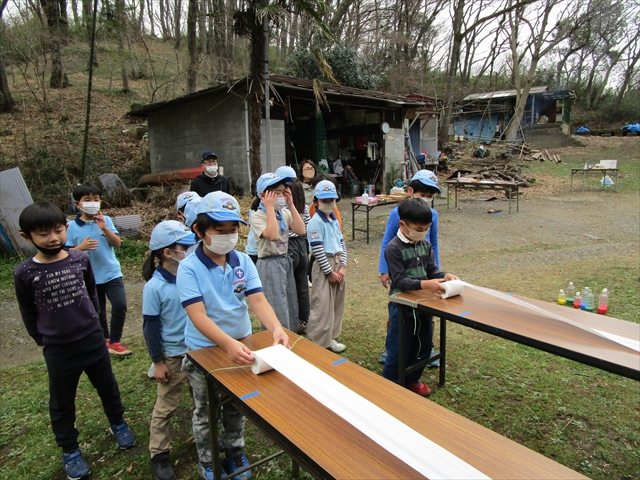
580 416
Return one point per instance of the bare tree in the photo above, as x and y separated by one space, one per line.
6 100
192 29
121 26
58 28
177 18
632 55
535 32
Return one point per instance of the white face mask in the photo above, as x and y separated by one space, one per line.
281 203
211 169
190 250
177 253
426 200
326 208
90 208
222 244
415 236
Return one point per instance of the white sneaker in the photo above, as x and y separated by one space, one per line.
152 371
336 347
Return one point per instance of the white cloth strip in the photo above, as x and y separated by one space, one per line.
417 451
624 341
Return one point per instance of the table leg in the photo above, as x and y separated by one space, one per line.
571 186
443 350
509 193
214 420
368 210
584 177
402 364
455 192
447 196
353 222
616 185
517 199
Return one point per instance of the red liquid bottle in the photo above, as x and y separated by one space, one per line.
603 303
577 300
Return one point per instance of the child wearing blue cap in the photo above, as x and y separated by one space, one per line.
298 247
163 327
423 185
270 224
182 201
328 271
215 284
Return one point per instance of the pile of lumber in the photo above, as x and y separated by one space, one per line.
529 154
509 173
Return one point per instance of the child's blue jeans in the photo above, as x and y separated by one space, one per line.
418 337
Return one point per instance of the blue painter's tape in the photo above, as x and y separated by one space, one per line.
338 362
510 294
249 395
464 314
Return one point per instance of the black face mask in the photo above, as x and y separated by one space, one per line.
49 251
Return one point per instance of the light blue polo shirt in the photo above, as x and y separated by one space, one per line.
160 300
326 230
223 291
106 266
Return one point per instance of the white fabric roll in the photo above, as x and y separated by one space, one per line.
260 366
452 288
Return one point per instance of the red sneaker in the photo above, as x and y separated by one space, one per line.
116 348
419 388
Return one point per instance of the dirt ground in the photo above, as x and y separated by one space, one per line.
473 244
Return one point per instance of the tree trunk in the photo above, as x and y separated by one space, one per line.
74 9
86 16
192 28
58 32
6 100
122 26
163 21
445 120
202 26
256 95
177 17
152 20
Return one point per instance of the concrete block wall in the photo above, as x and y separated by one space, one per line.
278 150
179 135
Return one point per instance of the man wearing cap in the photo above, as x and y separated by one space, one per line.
209 180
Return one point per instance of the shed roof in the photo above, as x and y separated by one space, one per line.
332 91
502 94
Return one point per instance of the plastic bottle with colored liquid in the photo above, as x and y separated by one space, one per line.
569 293
587 300
603 302
562 299
577 300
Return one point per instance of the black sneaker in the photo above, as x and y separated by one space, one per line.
236 459
161 467
75 466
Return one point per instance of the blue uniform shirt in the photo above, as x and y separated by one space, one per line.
160 302
223 291
392 230
325 230
106 266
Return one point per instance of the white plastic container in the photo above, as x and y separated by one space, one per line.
365 198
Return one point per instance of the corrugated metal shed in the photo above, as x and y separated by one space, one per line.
14 197
501 94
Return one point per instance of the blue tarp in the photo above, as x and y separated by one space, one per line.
581 130
633 127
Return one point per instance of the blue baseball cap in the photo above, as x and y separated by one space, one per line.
428 178
220 207
208 154
191 212
269 180
184 198
325 190
168 232
286 171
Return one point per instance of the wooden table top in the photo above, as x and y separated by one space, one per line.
499 317
341 450
472 183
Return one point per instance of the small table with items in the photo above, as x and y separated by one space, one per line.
366 207
596 170
510 189
584 341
